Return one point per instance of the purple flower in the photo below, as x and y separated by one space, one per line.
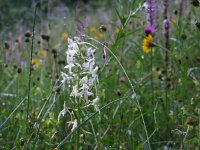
166 25
87 21
165 4
150 30
151 14
122 79
104 17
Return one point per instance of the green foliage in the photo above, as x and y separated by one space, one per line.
143 103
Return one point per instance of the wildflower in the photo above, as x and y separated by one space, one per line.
85 88
93 30
166 25
104 17
98 36
122 79
95 103
63 112
81 71
43 53
150 30
66 78
147 43
65 36
74 124
117 30
35 62
75 92
151 12
87 21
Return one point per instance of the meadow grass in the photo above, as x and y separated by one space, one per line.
145 94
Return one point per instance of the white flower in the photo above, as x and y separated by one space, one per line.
95 103
94 72
70 66
85 92
84 80
74 124
90 52
72 45
65 77
75 91
63 112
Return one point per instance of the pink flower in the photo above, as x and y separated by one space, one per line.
122 79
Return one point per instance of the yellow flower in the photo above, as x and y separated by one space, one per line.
93 29
173 20
65 36
43 53
36 62
98 36
147 43
117 30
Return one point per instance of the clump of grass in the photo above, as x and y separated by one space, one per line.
121 87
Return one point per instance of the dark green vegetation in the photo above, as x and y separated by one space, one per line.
156 107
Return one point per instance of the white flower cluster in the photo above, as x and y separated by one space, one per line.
81 71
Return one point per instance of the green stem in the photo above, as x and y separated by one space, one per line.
30 68
152 86
78 123
86 120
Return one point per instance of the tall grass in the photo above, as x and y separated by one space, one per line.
139 100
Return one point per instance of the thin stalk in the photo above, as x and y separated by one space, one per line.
78 123
12 112
152 86
30 67
132 88
86 120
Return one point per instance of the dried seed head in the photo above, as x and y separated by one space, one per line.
175 12
103 28
28 34
198 59
54 51
38 79
15 66
45 37
22 142
119 93
57 76
61 62
27 40
19 70
190 120
7 46
157 68
198 25
184 36
195 3
105 44
6 65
